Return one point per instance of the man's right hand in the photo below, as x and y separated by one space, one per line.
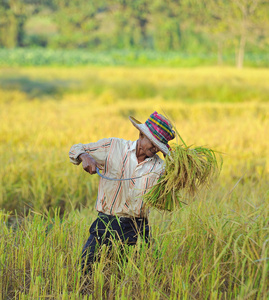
89 164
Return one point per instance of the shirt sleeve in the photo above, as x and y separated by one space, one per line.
98 150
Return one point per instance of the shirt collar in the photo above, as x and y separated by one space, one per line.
133 146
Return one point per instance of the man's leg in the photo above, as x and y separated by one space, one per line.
99 235
134 228
88 253
102 230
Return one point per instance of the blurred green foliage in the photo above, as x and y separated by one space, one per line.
222 28
119 57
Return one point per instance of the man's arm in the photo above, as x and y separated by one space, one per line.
91 155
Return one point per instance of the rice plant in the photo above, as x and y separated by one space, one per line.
186 171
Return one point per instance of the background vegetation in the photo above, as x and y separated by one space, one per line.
210 29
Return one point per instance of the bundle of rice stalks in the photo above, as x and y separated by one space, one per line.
187 170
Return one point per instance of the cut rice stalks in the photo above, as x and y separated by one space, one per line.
187 170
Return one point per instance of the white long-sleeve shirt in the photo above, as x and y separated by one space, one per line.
118 156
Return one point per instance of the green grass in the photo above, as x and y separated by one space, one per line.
142 58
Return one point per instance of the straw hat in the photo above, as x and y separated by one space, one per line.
157 129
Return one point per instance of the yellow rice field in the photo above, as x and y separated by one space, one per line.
214 248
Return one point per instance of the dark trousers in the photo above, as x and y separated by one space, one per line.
107 228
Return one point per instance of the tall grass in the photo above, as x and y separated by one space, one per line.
213 248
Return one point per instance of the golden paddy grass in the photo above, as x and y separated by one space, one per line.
214 248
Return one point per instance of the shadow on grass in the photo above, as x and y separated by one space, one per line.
38 88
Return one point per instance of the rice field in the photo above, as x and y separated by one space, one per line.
216 247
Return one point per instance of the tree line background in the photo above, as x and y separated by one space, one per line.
188 26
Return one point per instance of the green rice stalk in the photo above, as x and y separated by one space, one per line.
187 170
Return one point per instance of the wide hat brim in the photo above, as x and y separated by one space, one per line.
144 129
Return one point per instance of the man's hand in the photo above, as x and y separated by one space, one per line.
89 164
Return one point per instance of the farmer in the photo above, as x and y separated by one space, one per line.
121 212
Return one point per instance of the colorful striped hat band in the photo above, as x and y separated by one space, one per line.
157 129
160 128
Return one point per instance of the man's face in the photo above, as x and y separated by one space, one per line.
147 146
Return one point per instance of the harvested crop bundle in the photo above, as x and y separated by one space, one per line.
186 171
